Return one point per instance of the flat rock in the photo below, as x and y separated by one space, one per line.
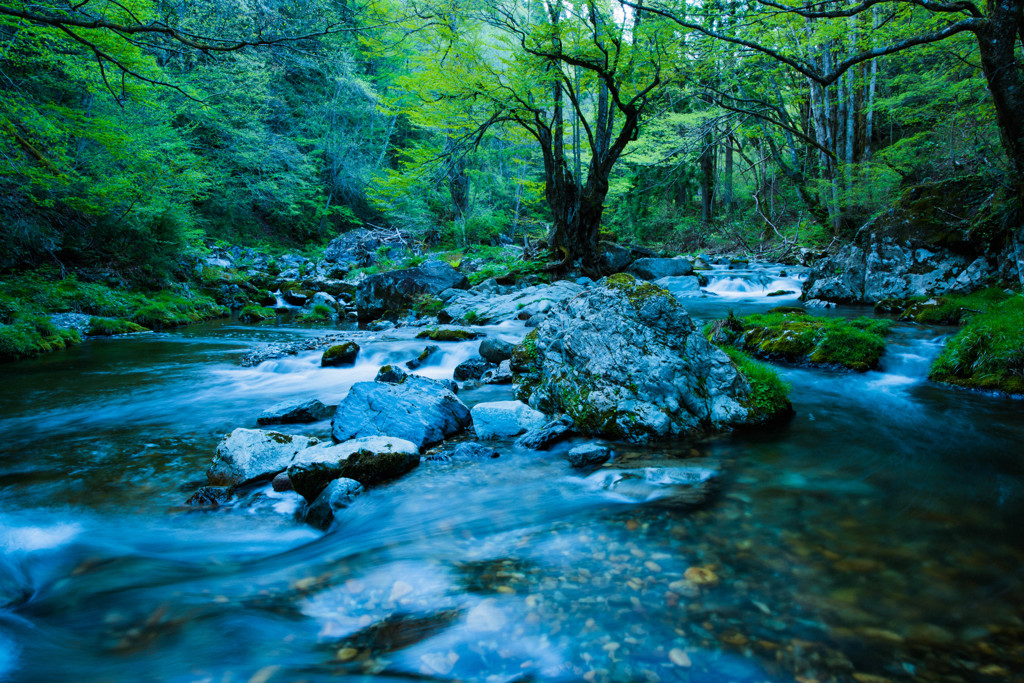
253 454
589 455
546 436
502 419
489 308
418 409
295 412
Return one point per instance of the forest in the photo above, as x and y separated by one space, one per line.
136 131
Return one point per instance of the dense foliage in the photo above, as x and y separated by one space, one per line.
131 131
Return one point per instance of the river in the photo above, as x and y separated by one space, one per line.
877 536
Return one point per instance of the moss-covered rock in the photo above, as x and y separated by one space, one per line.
109 327
340 355
255 314
855 344
448 334
768 401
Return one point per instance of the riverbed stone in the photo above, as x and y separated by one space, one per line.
492 309
471 368
369 460
209 497
295 412
625 360
499 375
418 409
496 350
589 455
394 291
690 485
547 435
502 419
657 268
340 355
253 454
391 374
474 451
337 495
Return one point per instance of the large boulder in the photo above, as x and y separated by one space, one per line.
657 268
496 350
394 291
502 419
614 258
625 360
471 368
295 412
417 409
356 248
489 308
252 454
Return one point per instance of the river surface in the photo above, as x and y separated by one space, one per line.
877 536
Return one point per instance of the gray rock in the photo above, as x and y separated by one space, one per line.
252 454
684 486
498 308
589 455
419 410
657 268
496 350
282 483
295 412
355 247
546 436
503 419
209 497
423 357
686 284
499 375
584 281
625 360
471 368
368 460
394 291
536 320
614 258
338 495
391 374
473 450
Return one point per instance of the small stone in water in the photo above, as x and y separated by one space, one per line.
702 576
399 590
679 658
653 566
505 589
347 653
869 678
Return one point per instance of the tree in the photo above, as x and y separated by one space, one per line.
550 69
996 30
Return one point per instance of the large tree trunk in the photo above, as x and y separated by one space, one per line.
997 39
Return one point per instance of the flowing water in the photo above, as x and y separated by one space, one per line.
877 536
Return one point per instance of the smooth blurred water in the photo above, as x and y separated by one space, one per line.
877 534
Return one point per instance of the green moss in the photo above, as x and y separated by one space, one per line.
855 344
427 305
472 318
340 355
637 291
255 314
446 334
988 353
320 313
109 327
33 335
944 310
768 401
525 353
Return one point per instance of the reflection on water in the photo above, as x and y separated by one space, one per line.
874 536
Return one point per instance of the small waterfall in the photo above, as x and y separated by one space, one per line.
759 283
